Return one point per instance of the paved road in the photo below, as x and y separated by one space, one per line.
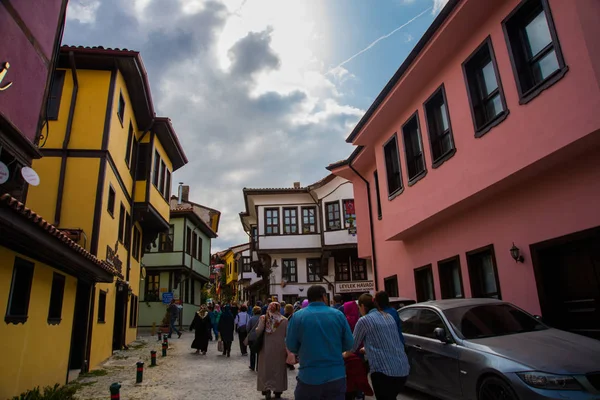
183 375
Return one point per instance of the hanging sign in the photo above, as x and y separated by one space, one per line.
351 287
349 207
4 173
30 176
167 297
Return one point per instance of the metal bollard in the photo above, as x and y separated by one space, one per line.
164 349
166 339
115 391
139 376
153 358
159 336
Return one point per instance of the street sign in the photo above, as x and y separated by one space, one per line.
167 297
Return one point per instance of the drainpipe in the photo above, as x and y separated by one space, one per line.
63 163
131 218
374 257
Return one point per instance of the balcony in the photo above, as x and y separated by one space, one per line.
286 242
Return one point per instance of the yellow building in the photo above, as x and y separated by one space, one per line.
106 178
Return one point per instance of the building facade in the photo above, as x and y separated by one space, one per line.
177 266
303 236
106 177
477 165
46 279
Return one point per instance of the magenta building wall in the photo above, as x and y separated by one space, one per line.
533 177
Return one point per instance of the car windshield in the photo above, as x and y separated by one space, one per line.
481 321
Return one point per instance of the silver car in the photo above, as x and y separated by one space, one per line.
486 349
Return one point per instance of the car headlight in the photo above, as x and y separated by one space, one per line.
542 380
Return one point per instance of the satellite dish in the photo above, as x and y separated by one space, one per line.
30 176
143 273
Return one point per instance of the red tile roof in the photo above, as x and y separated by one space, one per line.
36 219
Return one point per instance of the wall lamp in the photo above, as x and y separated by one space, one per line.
515 253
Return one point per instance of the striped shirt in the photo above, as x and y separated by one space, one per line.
383 346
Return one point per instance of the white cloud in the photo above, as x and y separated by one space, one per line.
408 38
438 5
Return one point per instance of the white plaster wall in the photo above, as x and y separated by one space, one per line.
290 242
337 190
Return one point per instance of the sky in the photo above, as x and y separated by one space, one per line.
261 93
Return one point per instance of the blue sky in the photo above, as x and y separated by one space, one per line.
260 92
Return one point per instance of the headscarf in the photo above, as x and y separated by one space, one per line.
203 312
352 313
217 308
304 303
273 317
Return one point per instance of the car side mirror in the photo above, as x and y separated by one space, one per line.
440 334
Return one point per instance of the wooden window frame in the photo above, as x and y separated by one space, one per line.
137 240
194 244
319 272
434 136
121 231
188 240
55 94
377 195
309 225
199 249
57 295
129 149
419 271
339 273
150 292
26 270
445 287
328 221
246 264
472 278
133 311
393 192
166 240
470 68
253 237
512 27
168 185
156 169
272 226
393 279
102 294
121 107
409 157
286 274
127 238
353 270
294 211
161 178
111 200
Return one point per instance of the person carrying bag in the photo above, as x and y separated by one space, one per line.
241 320
220 346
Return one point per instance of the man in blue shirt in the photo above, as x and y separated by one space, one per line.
319 335
383 302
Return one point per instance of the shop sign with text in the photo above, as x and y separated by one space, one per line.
351 287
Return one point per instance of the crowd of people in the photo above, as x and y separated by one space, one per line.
336 346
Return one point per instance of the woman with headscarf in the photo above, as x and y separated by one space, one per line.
201 323
304 303
357 381
226 330
352 313
272 369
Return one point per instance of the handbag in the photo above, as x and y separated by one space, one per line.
258 343
220 346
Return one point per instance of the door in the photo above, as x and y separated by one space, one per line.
568 271
80 323
434 364
120 315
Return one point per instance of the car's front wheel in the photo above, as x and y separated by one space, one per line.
493 388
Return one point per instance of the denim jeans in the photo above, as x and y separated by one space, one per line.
173 327
334 390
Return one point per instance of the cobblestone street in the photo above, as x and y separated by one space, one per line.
182 375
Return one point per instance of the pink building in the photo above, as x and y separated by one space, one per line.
489 135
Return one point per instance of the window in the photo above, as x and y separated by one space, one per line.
392 166
129 148
199 250
133 311
188 240
342 270
390 285
290 298
194 245
56 299
246 264
483 273
102 306
272 221
53 107
152 287
309 220
111 201
168 186
192 291
441 141
451 278
359 270
488 106
166 239
144 161
334 222
137 241
429 321
127 240
413 149
156 170
536 57
289 270
121 109
20 292
424 283
410 319
349 213
254 237
313 270
122 224
290 221
377 195
161 178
